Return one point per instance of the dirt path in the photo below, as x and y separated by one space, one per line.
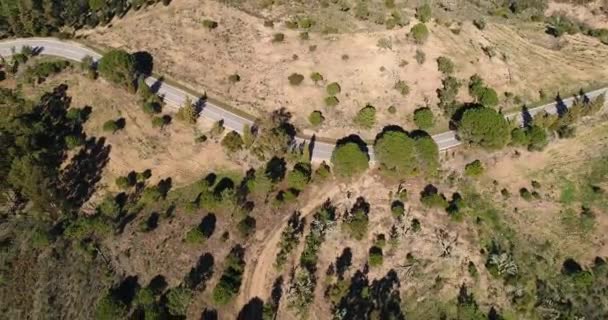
255 279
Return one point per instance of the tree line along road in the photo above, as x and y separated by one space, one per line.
176 97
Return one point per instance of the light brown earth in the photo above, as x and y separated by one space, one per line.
525 60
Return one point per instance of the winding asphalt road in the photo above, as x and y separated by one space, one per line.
175 97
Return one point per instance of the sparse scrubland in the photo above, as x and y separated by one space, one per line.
116 205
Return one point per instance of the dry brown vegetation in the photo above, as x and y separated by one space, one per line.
520 59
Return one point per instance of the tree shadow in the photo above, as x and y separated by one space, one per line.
155 87
343 262
84 171
381 297
560 106
127 289
158 284
164 186
222 185
526 117
311 146
144 62
152 221
361 205
207 225
276 169
253 310
209 314
353 138
201 273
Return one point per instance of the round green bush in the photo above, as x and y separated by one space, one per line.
349 160
423 118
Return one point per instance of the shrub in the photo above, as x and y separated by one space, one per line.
234 78
375 257
322 172
295 79
278 37
366 117
392 110
420 56
397 208
331 101
194 236
230 281
316 118
159 122
537 137
246 226
423 118
304 35
423 12
402 87
473 169
210 24
447 95
445 65
232 141
419 33
480 23
110 308
333 89
356 224
484 127
316 77
151 107
431 198
110 126
415 225
118 66
305 23
525 194
349 160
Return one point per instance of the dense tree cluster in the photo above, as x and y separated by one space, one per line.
48 17
34 140
402 154
484 127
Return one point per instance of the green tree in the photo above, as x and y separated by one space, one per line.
230 281
110 308
299 177
316 77
423 118
333 89
349 160
316 118
331 101
537 137
232 141
118 66
187 113
419 33
394 151
424 12
484 127
366 117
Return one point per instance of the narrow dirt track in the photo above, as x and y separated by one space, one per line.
255 278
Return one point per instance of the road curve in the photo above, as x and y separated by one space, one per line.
175 97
